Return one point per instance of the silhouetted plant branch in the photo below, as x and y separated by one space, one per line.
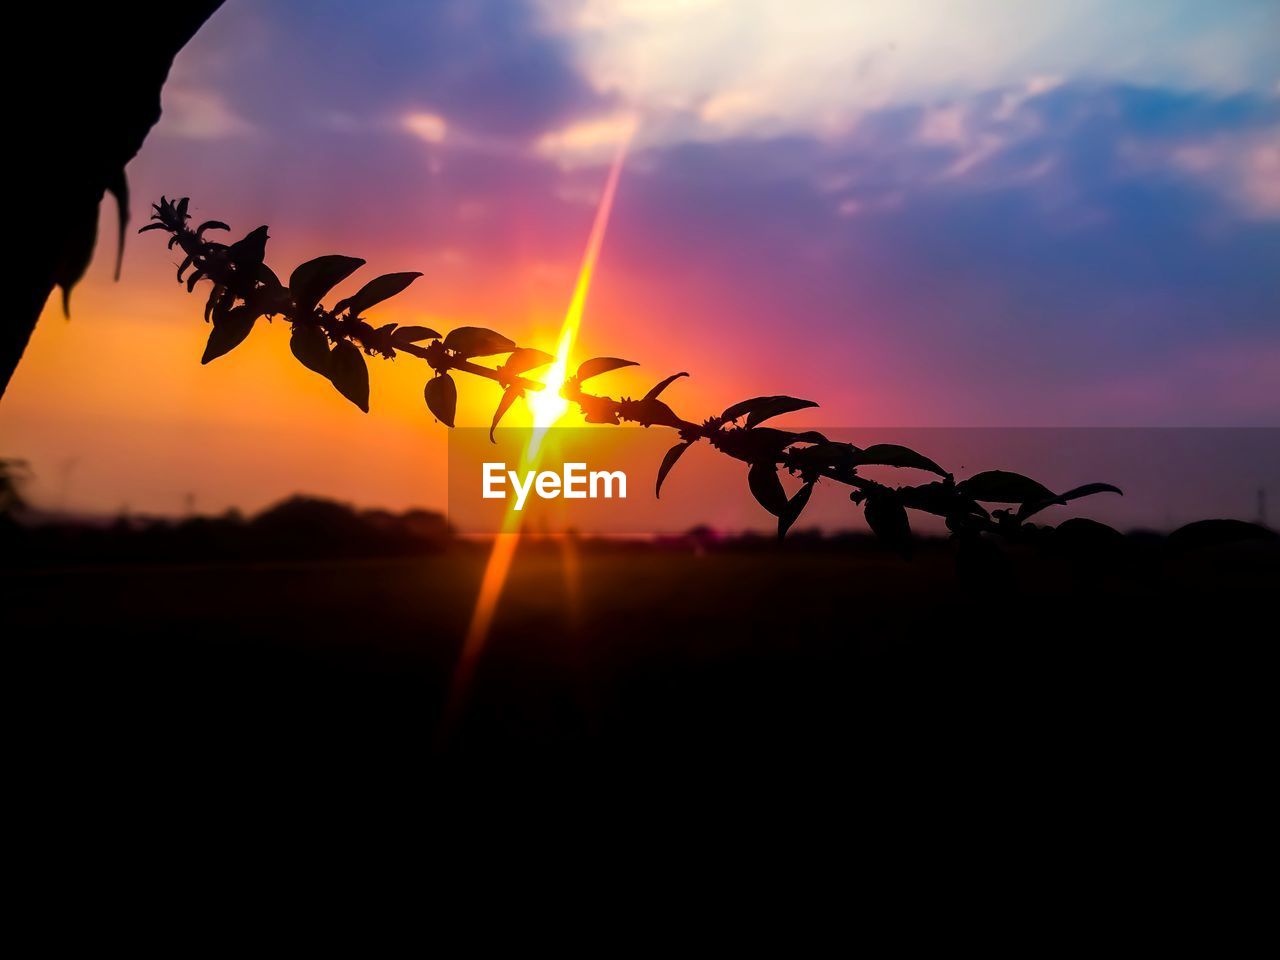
334 341
331 341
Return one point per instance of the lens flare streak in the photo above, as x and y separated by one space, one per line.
548 408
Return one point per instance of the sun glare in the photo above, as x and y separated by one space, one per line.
547 408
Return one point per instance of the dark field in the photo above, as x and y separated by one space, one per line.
837 655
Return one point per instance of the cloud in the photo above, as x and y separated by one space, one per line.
587 141
199 114
425 126
1005 138
735 67
1048 275
1245 166
488 66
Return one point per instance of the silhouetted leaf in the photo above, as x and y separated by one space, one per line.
311 347
269 299
350 373
648 412
823 455
760 409
669 461
414 334
1087 490
812 436
442 398
182 267
598 409
118 185
508 398
375 291
313 279
524 359
887 518
268 276
593 368
780 406
477 342
249 251
215 295
210 225
791 513
659 387
940 498
758 443
222 306
766 487
893 455
229 333
180 211
1216 533
1001 486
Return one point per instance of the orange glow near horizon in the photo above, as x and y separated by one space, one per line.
548 409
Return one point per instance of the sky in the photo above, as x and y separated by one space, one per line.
974 214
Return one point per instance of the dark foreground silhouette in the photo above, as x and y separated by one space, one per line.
829 654
89 96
